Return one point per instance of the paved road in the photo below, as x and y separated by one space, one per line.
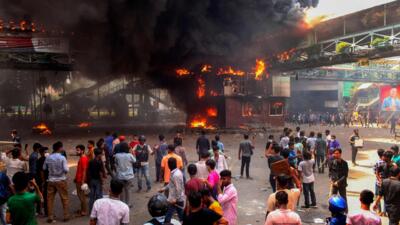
252 193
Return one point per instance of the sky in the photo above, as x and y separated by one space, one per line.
335 8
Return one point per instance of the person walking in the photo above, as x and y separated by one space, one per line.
320 152
228 197
95 176
124 163
393 123
354 148
202 144
160 150
283 185
110 211
80 178
57 166
142 152
176 190
246 148
365 215
338 173
307 176
219 159
165 171
282 215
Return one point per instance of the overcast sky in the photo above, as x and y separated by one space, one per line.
335 8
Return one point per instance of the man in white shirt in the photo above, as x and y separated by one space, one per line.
14 164
110 211
282 215
364 215
202 171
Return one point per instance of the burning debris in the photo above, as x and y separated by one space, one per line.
42 129
84 125
182 72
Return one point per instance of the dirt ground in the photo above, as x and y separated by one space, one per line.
252 193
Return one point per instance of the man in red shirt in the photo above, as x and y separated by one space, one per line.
134 142
194 184
80 178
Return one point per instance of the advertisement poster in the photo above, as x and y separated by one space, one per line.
390 98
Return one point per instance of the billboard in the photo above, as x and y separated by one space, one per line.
390 98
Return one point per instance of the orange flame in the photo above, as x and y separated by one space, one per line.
200 122
206 68
286 55
259 69
230 71
42 128
182 72
84 124
212 112
201 89
309 22
22 25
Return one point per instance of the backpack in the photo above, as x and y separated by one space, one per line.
154 221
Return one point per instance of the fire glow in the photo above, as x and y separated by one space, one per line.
206 68
200 122
230 71
212 112
182 72
42 128
201 89
310 21
259 69
84 125
286 55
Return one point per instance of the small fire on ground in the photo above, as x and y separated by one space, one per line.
84 124
42 128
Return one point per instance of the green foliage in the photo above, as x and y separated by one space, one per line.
380 42
341 47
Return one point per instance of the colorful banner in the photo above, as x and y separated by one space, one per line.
390 98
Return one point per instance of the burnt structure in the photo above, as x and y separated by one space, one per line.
239 101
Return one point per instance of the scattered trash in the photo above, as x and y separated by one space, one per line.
319 220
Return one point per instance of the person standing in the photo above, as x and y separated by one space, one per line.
284 142
165 171
33 159
396 155
228 197
354 149
293 194
21 206
219 143
96 175
320 152
200 215
307 175
80 178
393 123
5 193
14 137
275 157
202 144
110 211
178 139
15 164
378 175
124 163
90 150
194 184
338 173
365 216
333 144
245 153
160 150
282 215
43 176
390 190
142 152
219 159
176 189
310 142
57 165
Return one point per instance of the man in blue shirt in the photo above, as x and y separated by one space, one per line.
57 166
392 102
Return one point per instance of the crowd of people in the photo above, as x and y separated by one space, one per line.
192 193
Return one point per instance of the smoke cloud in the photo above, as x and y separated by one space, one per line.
153 37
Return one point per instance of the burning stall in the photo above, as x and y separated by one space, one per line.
228 97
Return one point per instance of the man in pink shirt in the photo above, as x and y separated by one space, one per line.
282 215
228 197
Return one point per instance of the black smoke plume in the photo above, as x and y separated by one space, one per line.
154 37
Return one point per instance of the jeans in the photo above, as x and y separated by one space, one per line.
308 190
62 188
158 172
96 192
82 198
354 151
125 196
178 207
245 162
320 160
272 181
3 209
143 171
